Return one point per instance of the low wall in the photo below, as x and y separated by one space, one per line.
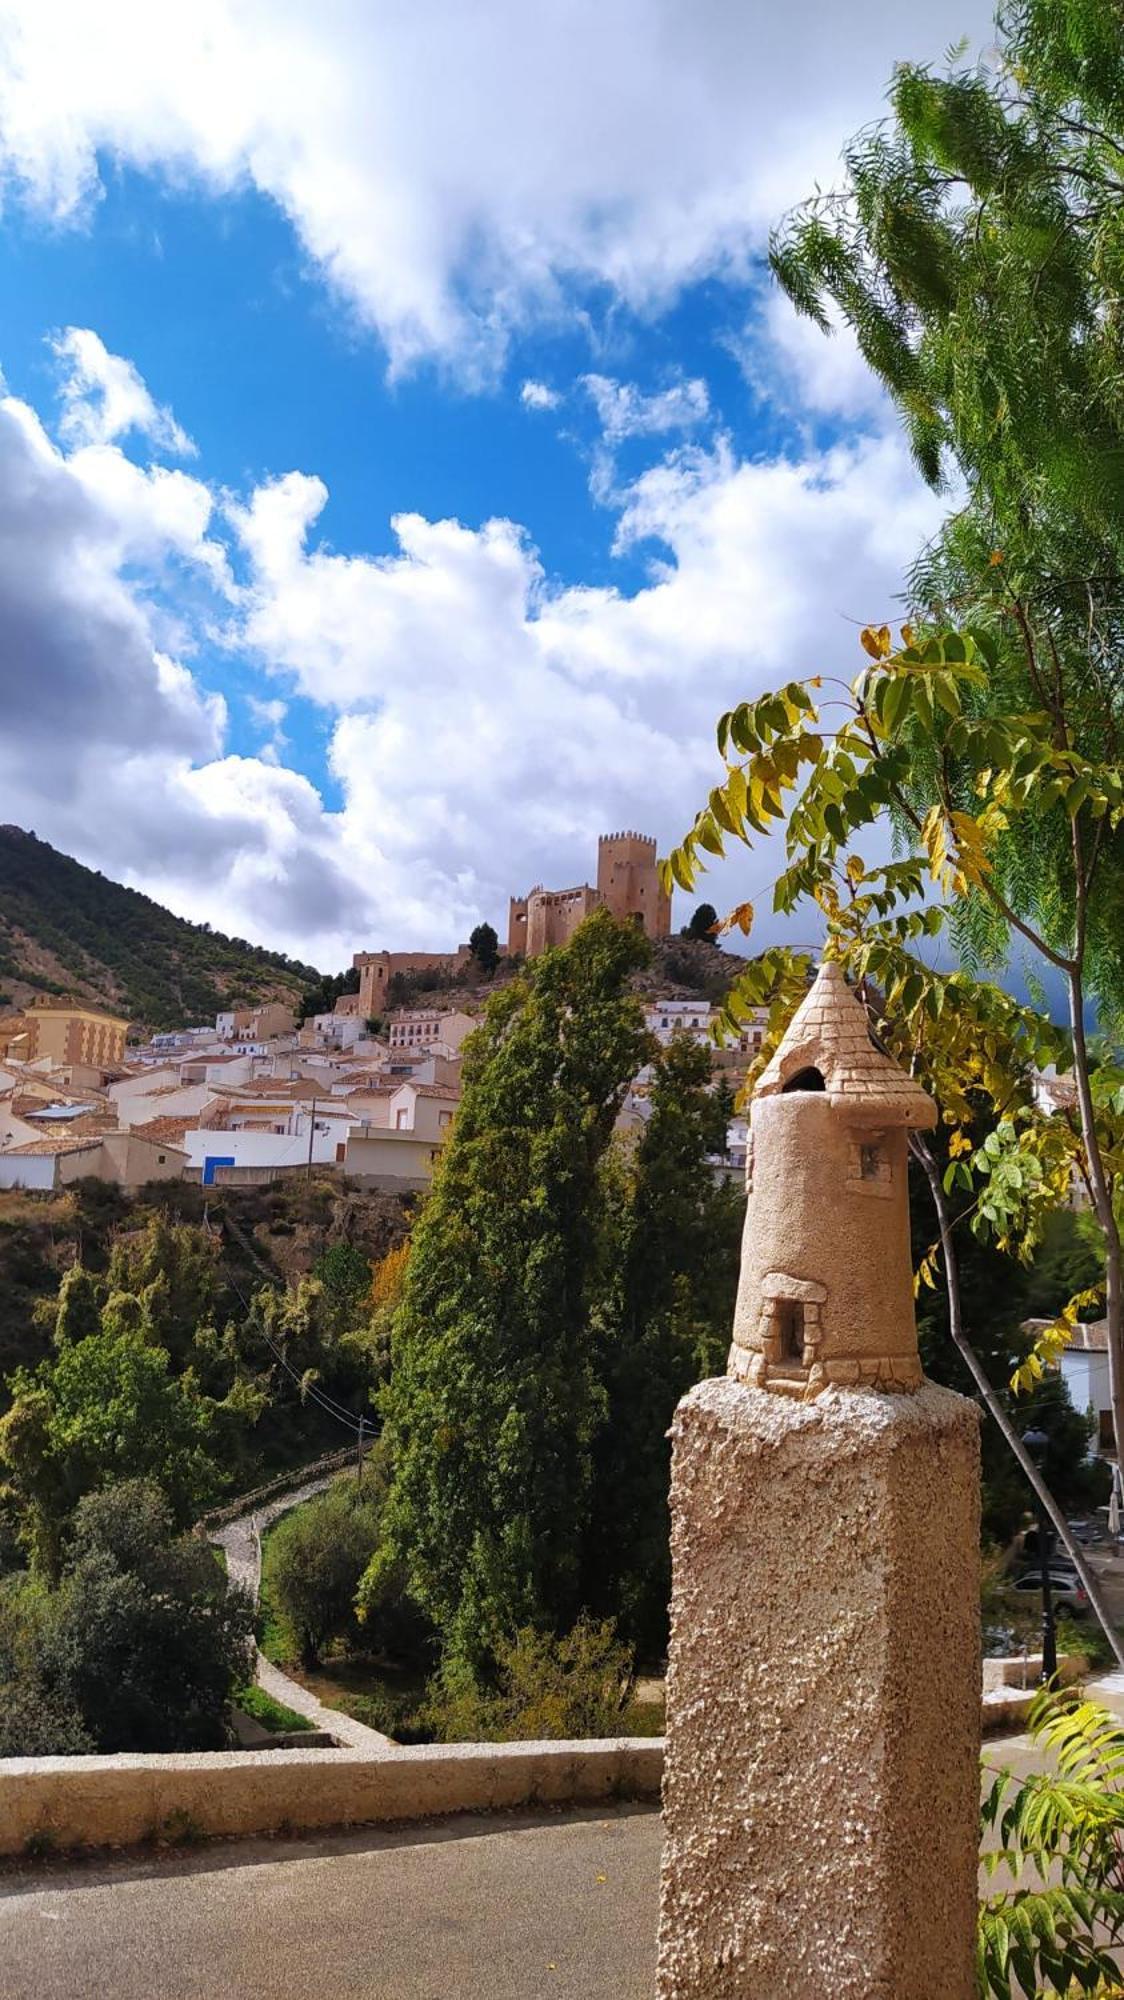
285 1482
74 1802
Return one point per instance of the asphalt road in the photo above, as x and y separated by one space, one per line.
505 1908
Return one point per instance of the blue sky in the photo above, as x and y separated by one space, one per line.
404 457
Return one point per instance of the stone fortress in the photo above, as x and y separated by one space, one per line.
627 884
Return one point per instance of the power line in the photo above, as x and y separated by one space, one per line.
346 1417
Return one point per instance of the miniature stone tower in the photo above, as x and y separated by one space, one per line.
826 1291
821 1776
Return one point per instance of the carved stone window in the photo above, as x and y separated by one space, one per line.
869 1168
788 1321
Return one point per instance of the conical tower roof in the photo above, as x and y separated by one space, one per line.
829 1033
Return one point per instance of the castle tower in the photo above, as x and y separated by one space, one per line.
821 1773
628 882
826 1290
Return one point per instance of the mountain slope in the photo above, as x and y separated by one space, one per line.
69 929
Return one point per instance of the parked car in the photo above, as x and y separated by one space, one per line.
1065 1586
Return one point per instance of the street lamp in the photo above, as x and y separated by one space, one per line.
1037 1444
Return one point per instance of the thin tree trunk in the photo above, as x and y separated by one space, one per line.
1104 1212
993 1402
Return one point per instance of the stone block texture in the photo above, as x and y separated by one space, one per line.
821 1776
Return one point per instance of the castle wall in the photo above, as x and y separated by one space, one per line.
553 915
629 884
377 969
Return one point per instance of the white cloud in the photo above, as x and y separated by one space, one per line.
624 411
104 397
453 170
539 396
485 723
785 355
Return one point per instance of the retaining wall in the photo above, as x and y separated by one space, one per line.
74 1802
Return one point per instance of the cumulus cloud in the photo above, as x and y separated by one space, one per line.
539 396
104 397
484 722
624 410
452 173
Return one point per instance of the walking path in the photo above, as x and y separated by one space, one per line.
241 1540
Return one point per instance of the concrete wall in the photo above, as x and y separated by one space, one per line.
118 1801
394 1160
260 1149
34 1170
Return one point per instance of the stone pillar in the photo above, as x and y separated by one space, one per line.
821 1786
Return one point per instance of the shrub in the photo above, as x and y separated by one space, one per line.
314 1559
547 1687
144 1638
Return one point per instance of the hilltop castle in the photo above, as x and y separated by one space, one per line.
627 884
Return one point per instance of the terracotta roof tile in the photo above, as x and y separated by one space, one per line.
52 1146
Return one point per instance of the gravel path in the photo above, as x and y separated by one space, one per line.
241 1539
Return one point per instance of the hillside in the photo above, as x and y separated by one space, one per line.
69 929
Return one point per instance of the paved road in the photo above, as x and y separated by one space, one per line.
241 1538
509 1908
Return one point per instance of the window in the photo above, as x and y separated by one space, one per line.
870 1162
401 1119
160 1158
790 1329
806 1079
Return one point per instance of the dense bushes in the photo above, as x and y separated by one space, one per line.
315 1557
138 1648
544 1688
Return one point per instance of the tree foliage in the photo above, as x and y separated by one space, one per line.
704 923
1058 1926
315 1558
545 1688
119 948
144 1639
494 1400
105 1410
485 947
664 1323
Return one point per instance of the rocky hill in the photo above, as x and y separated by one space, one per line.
69 929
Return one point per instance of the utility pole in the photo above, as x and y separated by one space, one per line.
359 1455
311 1136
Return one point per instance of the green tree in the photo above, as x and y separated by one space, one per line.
171 1270
494 1400
546 1688
104 1410
345 1274
315 1557
664 1324
704 923
976 250
145 1639
77 1306
485 947
909 737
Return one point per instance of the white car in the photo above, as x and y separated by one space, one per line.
1066 1589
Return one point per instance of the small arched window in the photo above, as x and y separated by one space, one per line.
805 1079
